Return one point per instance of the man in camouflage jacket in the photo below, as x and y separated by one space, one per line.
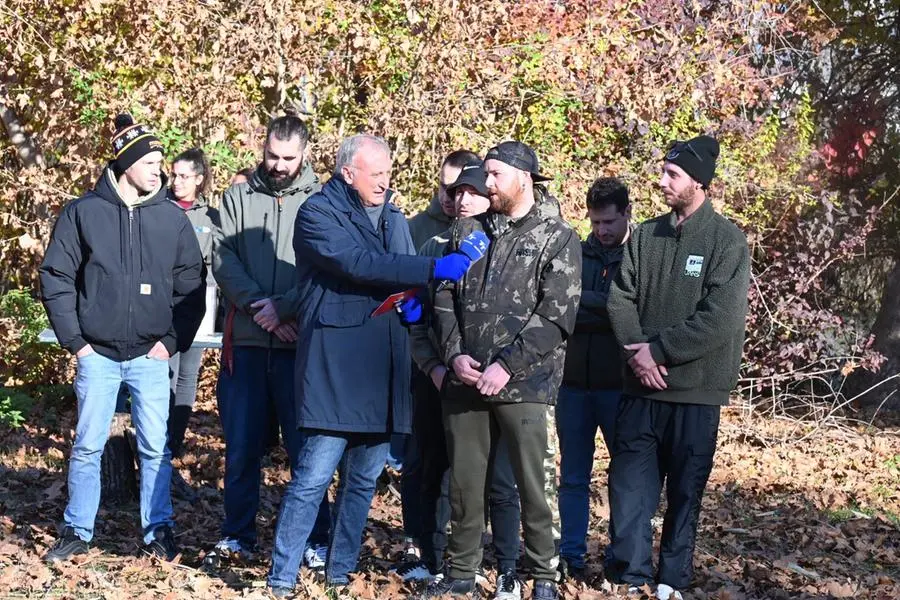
503 330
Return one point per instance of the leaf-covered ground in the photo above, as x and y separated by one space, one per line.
785 516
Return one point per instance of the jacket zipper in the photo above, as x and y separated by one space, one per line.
487 270
279 200
677 248
131 283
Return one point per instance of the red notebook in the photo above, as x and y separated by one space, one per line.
393 299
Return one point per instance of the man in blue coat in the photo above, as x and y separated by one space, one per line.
352 371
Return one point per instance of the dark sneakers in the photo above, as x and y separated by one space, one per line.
67 546
544 590
568 571
508 586
181 489
163 544
444 585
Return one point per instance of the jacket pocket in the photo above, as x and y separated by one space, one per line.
687 376
347 313
153 310
103 307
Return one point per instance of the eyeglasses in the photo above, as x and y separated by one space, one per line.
679 147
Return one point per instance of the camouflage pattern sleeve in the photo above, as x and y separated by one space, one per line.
622 302
554 315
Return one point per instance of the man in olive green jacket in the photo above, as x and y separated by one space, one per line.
678 309
253 263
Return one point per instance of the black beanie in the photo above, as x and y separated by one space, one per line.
132 141
697 157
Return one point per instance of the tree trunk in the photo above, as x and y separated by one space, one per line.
26 148
118 477
887 341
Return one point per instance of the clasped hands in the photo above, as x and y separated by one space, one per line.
645 367
266 316
489 383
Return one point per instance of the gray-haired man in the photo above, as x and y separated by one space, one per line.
352 369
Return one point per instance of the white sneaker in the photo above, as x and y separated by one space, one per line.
228 549
667 592
314 556
413 570
508 587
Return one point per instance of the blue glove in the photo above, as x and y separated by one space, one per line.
451 267
410 310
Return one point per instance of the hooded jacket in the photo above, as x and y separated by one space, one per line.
517 305
205 220
122 278
430 222
252 254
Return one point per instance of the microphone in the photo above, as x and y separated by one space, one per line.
474 246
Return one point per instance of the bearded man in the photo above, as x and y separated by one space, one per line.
678 309
502 331
253 263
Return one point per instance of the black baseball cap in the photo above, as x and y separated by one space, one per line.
518 155
471 174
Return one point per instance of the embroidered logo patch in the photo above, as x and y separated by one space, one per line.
526 252
146 289
693 266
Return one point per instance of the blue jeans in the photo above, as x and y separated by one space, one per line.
578 414
360 458
262 383
97 382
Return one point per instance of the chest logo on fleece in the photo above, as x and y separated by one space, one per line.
693 266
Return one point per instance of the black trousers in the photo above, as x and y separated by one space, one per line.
655 442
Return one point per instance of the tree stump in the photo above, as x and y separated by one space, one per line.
118 475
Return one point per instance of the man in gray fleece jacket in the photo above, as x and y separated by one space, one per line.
678 309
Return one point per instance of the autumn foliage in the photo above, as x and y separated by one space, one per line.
597 87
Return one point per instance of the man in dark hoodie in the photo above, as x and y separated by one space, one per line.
123 284
433 222
678 308
592 379
437 218
352 370
253 263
